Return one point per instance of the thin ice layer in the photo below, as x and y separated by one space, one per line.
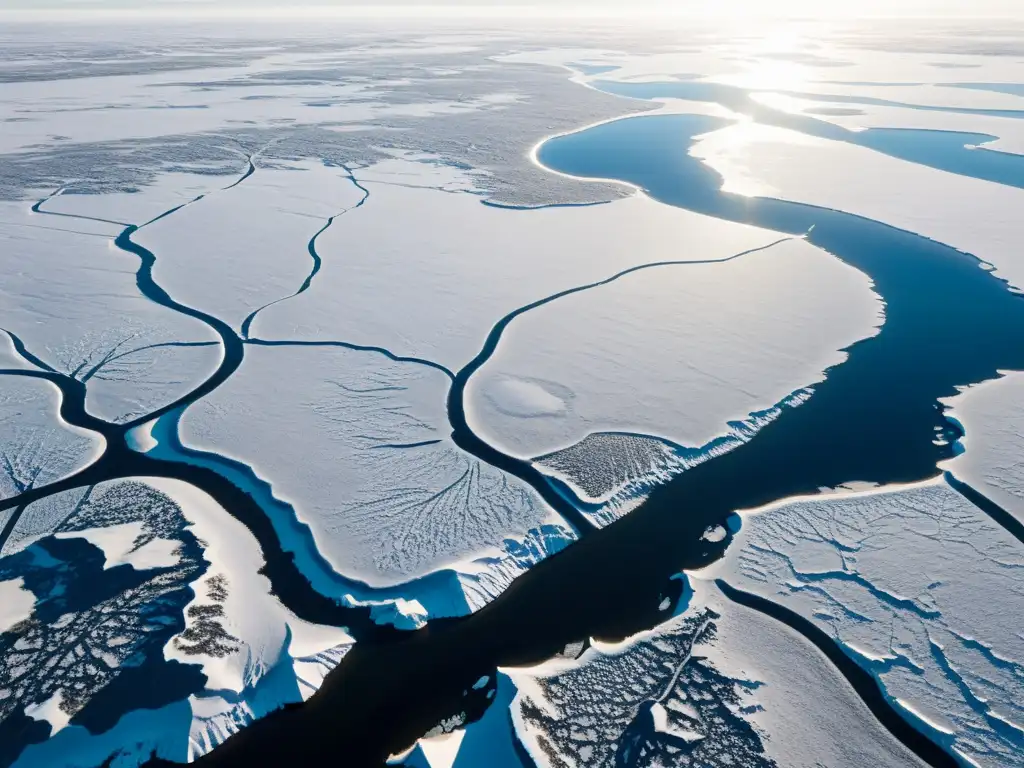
696 345
905 581
992 459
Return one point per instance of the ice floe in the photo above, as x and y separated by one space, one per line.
696 346
435 285
76 305
38 447
992 456
246 247
918 587
363 482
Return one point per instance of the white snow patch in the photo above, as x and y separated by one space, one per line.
118 545
50 711
360 446
16 603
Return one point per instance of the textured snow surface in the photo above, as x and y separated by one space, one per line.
72 298
974 216
717 685
359 445
185 587
37 446
920 588
992 461
616 471
246 247
433 286
695 345
167 191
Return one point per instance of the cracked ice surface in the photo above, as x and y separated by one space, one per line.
697 345
38 447
246 247
360 447
654 700
992 461
96 627
433 286
971 215
717 685
906 580
74 302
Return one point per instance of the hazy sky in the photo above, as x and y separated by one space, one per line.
807 8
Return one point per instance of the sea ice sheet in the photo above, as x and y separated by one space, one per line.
359 445
37 446
435 285
695 345
992 460
905 580
72 298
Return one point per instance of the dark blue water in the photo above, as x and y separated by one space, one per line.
943 150
948 323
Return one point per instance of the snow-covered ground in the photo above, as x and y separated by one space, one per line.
435 285
78 308
357 452
697 346
920 588
992 456
37 446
